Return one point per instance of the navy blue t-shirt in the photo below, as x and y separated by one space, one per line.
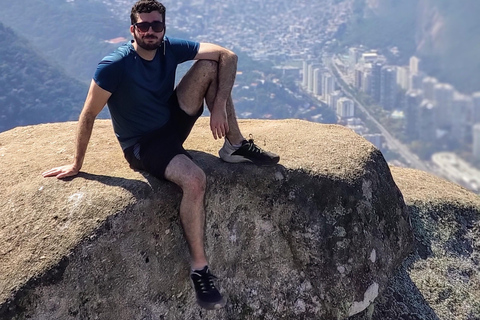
140 88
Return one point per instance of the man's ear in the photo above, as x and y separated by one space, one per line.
132 29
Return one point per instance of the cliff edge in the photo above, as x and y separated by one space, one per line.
441 278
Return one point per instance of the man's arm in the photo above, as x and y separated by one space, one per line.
227 70
94 103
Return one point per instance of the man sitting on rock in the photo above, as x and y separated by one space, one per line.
152 119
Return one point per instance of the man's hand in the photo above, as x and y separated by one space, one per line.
61 172
219 122
227 70
96 100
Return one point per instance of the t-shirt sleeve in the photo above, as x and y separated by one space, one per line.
183 50
108 73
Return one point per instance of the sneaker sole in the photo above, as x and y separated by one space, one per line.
212 306
241 159
234 159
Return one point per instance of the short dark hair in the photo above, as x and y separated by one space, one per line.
146 6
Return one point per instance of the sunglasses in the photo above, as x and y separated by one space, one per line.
157 26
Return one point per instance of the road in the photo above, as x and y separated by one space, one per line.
395 145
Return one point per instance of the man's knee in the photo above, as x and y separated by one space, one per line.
209 64
208 67
196 182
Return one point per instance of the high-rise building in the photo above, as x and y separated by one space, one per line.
412 109
460 127
376 81
415 81
476 141
317 82
443 98
376 139
476 107
305 74
367 78
403 79
345 108
388 87
428 87
369 57
328 85
414 65
427 122
311 67
354 55
358 78
332 99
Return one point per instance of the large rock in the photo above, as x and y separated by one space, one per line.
316 237
441 279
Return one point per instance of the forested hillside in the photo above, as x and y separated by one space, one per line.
448 40
31 90
391 24
70 34
445 34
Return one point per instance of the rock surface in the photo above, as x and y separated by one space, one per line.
318 236
441 279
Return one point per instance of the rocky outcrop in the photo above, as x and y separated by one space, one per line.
316 237
441 279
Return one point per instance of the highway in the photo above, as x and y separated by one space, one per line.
395 145
446 165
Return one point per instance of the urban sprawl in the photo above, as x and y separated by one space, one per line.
434 114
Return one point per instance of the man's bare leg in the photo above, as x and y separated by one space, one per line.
191 179
186 174
199 84
191 92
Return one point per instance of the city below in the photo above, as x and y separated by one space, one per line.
337 81
431 111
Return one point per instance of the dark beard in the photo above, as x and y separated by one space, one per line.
148 46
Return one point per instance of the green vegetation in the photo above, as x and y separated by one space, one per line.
393 26
70 35
31 90
444 34
454 56
260 94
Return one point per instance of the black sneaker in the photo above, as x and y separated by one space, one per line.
208 296
247 152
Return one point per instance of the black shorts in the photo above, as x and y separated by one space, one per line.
153 152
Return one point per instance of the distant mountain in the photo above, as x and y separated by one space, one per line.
31 90
382 24
71 34
448 41
444 34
